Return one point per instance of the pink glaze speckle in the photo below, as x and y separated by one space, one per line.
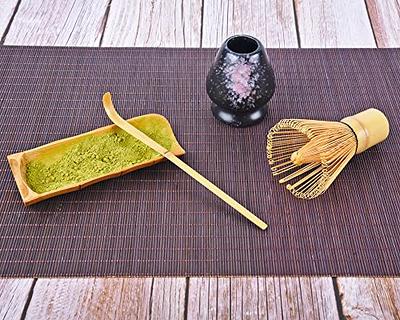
240 80
240 77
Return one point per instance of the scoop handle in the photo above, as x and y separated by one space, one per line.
126 126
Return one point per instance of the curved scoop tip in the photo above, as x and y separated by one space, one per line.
107 98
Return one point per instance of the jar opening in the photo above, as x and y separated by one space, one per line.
242 44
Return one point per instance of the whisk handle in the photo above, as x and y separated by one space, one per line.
370 126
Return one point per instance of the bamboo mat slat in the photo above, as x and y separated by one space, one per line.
157 221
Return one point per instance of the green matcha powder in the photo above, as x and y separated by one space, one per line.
92 157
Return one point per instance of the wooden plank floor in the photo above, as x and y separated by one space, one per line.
202 23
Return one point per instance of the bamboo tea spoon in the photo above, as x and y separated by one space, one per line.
126 126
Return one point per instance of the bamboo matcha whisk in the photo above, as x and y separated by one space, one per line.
312 153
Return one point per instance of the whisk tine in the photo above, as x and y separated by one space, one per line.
299 172
322 149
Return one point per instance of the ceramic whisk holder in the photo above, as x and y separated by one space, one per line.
240 82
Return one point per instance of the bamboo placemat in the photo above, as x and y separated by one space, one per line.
159 222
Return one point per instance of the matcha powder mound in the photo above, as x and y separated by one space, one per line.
92 157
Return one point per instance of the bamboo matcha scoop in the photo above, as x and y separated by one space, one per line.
124 125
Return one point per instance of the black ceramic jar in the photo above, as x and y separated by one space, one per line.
240 82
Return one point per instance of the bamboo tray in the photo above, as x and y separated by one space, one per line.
18 161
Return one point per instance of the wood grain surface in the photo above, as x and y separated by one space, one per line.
261 298
367 298
191 23
58 23
156 23
8 8
141 298
385 20
273 22
331 24
14 295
